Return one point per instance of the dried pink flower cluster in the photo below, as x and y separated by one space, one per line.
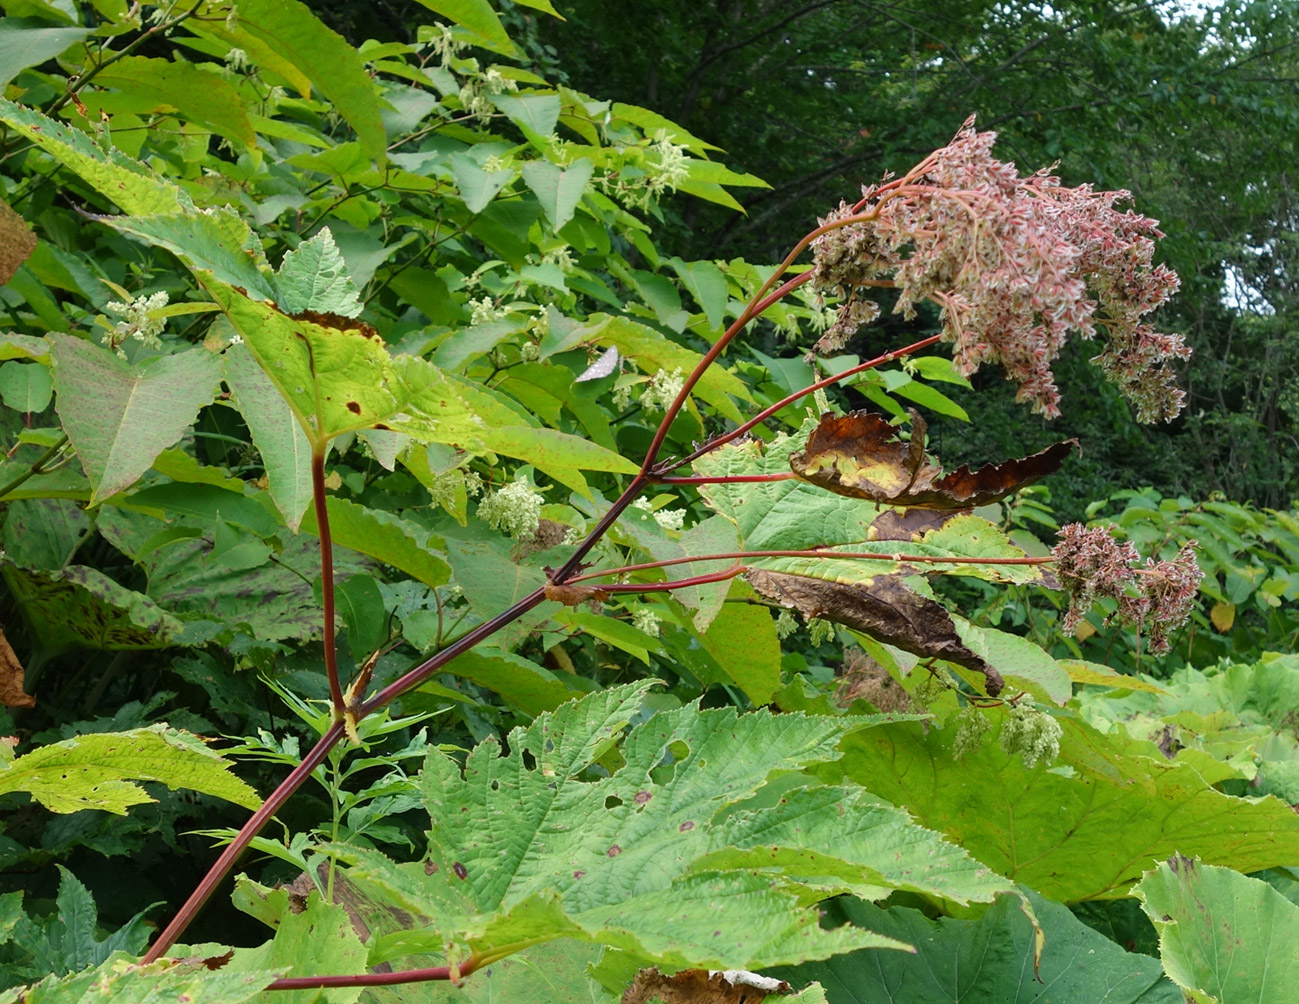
1091 564
1015 263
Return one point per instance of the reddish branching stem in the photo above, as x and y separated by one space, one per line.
320 500
373 979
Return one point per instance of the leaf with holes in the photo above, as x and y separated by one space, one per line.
100 771
676 855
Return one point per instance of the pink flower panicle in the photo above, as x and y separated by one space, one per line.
1093 564
1015 263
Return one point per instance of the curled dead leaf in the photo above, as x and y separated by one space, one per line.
886 609
12 694
698 986
861 456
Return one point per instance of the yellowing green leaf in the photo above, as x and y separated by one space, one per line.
206 98
100 770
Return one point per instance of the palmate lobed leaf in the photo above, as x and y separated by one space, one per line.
100 771
671 856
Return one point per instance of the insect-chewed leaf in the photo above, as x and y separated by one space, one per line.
885 609
861 456
100 771
670 856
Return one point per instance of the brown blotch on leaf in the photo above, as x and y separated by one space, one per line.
338 322
861 456
12 694
17 242
908 524
696 986
886 609
573 596
354 407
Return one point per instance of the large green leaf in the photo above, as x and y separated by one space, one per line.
130 184
381 535
332 64
1224 938
152 85
120 417
1083 828
478 18
285 451
25 43
667 856
557 189
82 607
986 960
100 771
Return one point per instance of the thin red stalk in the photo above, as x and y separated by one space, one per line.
766 413
320 498
728 479
250 829
464 643
370 979
865 555
663 587
606 521
760 302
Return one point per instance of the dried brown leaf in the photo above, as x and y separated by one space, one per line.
574 596
698 986
12 694
17 242
861 456
886 609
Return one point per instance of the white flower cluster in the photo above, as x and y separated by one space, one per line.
669 519
972 729
484 310
136 322
645 619
515 510
1031 733
662 390
672 169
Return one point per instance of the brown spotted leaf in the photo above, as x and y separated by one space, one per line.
885 608
861 456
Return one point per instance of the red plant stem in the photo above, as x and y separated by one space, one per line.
250 829
728 479
370 979
607 520
463 644
320 499
742 555
663 587
767 412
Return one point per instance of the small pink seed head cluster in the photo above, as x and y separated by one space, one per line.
1091 564
1015 263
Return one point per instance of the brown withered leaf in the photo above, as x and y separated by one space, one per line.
12 694
886 609
16 242
861 456
696 986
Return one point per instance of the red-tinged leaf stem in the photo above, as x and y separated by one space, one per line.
221 867
767 412
319 498
374 979
725 479
743 555
664 587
